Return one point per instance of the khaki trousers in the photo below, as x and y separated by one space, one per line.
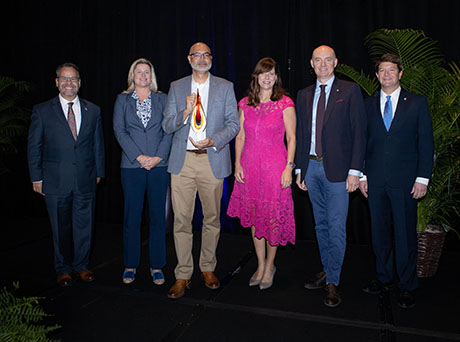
196 175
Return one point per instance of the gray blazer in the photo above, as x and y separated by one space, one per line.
222 123
133 138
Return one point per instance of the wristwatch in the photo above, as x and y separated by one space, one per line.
291 164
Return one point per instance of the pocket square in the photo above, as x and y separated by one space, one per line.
340 100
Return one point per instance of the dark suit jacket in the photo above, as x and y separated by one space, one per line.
405 152
56 158
343 135
133 138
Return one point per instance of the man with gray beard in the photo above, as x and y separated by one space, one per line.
201 112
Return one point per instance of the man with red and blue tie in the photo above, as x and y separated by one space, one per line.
66 161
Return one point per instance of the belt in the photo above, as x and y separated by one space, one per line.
198 151
312 157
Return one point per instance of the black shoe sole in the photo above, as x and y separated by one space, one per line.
366 290
332 305
311 287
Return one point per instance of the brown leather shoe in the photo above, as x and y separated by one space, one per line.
86 275
178 289
210 280
332 298
318 281
64 279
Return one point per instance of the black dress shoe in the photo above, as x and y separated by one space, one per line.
317 282
376 287
406 299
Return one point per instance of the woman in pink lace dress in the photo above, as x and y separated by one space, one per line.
261 195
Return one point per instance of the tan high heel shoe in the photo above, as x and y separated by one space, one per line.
267 285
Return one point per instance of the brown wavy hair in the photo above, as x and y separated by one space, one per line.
266 64
389 57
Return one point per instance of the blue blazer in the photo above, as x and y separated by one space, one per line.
223 123
343 135
133 138
405 152
59 160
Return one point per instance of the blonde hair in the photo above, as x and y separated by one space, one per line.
153 82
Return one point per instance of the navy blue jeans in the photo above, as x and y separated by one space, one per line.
330 208
135 183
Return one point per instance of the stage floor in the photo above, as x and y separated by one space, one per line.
108 310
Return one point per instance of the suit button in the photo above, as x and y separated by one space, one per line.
74 163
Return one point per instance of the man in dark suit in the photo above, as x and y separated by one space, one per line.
66 161
398 164
329 157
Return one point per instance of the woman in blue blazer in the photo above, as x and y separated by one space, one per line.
137 120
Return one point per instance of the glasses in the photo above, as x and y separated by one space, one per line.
199 55
65 78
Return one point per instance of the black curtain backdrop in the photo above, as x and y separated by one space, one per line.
104 37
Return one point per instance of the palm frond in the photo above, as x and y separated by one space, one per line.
13 117
368 84
20 318
412 46
7 82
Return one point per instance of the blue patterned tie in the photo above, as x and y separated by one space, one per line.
388 113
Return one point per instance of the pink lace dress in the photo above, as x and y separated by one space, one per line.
261 201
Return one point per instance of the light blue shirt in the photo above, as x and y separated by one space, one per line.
313 113
313 118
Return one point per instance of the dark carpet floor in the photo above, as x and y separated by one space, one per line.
108 310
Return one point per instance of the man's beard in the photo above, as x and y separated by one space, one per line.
202 68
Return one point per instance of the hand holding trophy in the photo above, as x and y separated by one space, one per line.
198 120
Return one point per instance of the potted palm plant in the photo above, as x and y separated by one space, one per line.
425 74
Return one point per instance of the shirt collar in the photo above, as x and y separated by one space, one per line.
393 95
64 102
205 84
328 83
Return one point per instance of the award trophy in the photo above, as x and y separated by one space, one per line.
198 120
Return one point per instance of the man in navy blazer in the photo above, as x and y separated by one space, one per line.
199 161
329 158
398 165
66 161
